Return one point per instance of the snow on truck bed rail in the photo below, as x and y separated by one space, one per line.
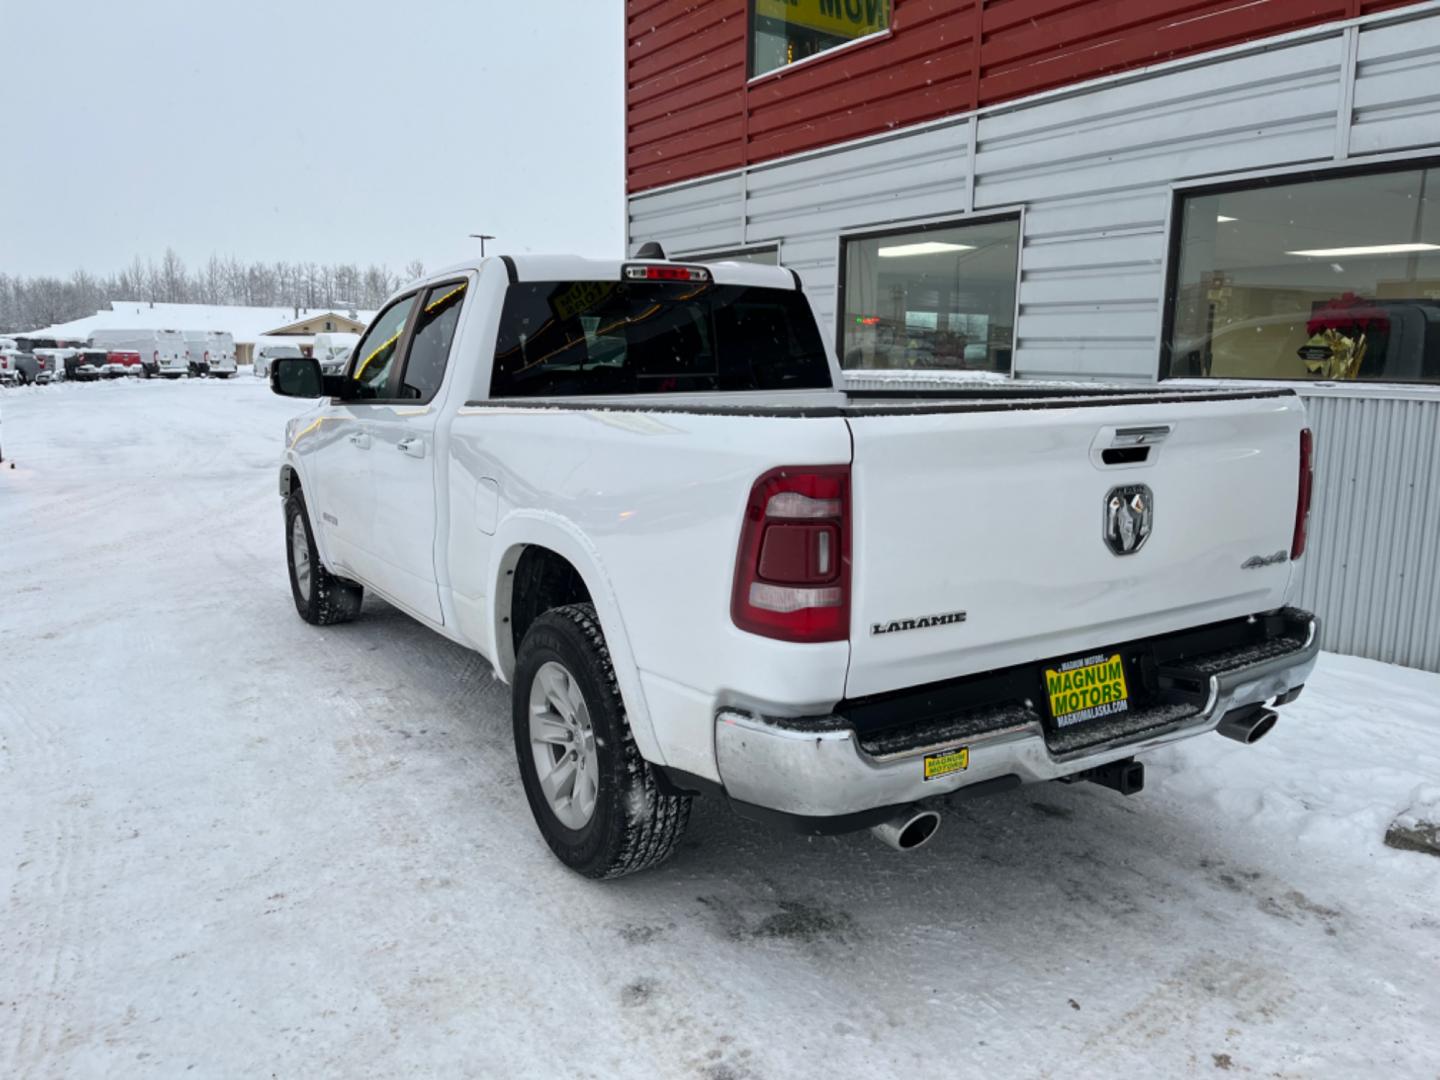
236 844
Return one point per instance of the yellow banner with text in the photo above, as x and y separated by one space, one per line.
839 18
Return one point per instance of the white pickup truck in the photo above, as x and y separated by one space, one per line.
636 489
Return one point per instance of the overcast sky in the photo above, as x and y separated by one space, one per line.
315 130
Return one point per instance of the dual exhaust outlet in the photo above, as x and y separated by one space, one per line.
911 827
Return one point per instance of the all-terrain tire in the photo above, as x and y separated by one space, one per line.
635 825
328 599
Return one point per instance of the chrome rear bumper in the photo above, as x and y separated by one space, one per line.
816 767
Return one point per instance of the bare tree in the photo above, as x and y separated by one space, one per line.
36 302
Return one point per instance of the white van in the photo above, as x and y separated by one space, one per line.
212 352
265 354
162 352
332 350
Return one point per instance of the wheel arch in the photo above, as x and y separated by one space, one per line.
544 548
292 480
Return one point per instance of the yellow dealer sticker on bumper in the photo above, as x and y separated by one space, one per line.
1087 689
946 762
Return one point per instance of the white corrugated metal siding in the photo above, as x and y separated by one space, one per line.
1094 171
1372 567
1397 87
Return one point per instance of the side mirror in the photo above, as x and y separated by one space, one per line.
297 376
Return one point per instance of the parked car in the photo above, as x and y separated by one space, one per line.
52 364
8 373
222 354
88 365
18 367
264 354
637 488
333 351
337 364
210 352
162 352
122 363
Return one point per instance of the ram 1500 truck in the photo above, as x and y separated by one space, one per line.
637 489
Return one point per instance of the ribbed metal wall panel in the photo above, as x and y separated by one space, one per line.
1397 87
1372 570
693 217
1093 172
803 205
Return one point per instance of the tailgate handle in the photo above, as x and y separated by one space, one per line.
1140 436
1131 446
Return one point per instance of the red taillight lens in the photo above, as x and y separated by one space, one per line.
1302 500
667 273
792 576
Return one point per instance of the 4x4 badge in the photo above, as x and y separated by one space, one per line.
1129 516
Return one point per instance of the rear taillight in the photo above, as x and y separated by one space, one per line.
792 577
157 356
1302 500
667 273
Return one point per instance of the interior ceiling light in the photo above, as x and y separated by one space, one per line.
1223 218
927 247
1371 249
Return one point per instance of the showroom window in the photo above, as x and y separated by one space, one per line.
784 32
938 297
1327 277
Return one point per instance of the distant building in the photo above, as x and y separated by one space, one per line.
248 325
303 330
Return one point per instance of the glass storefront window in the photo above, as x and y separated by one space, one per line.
939 297
1331 278
783 32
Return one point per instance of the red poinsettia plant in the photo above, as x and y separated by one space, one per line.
1347 314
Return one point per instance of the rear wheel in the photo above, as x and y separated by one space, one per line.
321 598
593 796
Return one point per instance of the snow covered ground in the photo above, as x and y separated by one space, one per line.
236 845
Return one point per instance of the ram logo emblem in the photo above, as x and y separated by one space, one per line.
1129 517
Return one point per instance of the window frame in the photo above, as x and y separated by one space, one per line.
402 346
1253 182
409 340
751 78
1015 214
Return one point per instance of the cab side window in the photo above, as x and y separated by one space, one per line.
375 355
430 344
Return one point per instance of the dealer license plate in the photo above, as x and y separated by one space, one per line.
1090 688
946 762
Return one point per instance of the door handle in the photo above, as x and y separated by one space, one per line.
414 446
360 439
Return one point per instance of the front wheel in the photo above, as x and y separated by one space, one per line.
593 796
321 598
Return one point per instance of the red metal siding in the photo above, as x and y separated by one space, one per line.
690 111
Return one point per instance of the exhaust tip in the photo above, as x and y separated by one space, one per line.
1248 726
919 831
909 829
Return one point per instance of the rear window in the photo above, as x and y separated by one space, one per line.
579 338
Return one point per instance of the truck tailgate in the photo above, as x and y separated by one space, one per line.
1000 511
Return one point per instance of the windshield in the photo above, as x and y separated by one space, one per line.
561 338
